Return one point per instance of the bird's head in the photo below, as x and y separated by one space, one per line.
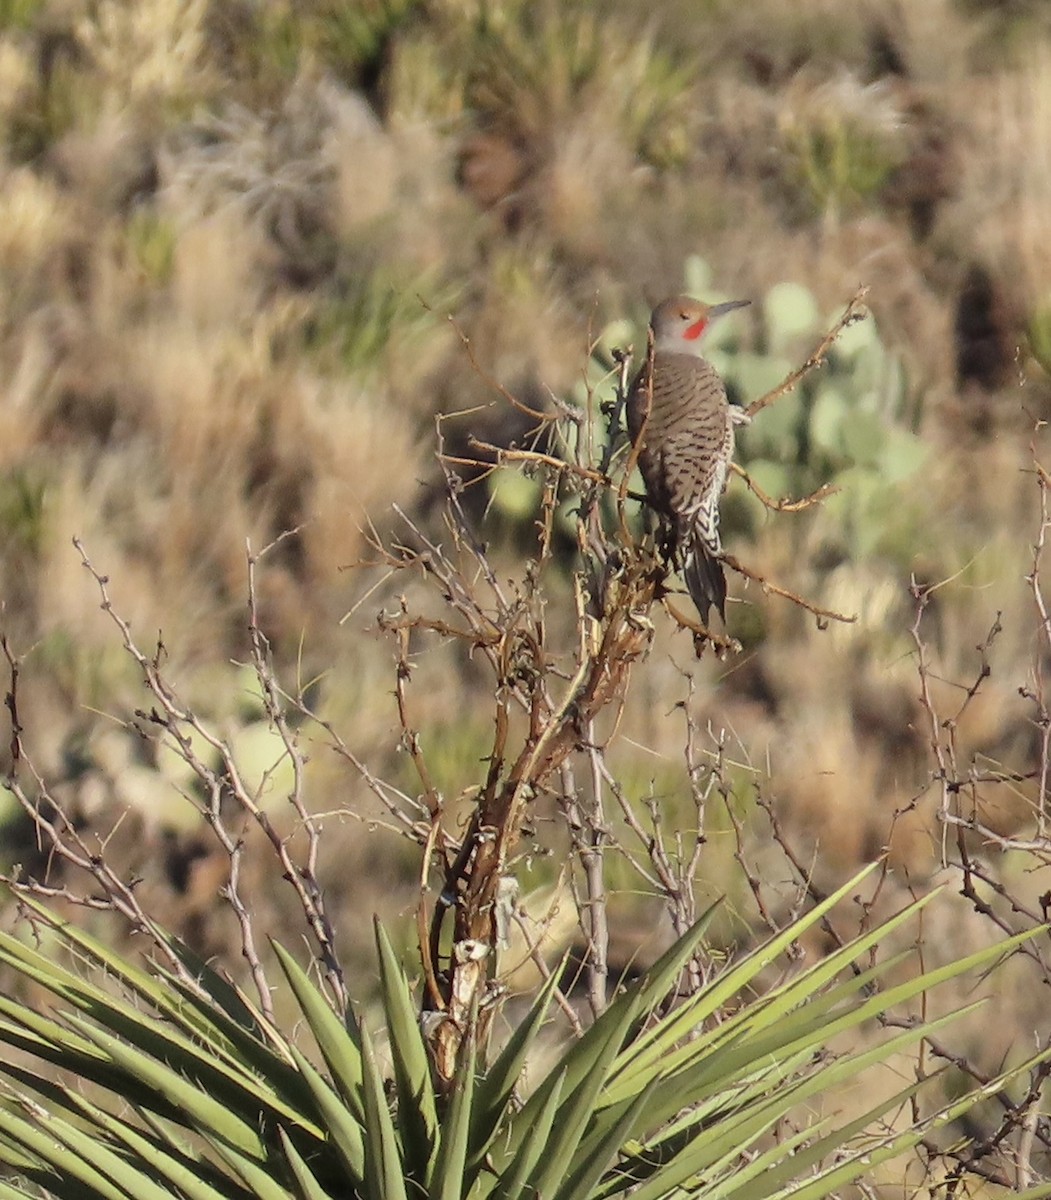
679 322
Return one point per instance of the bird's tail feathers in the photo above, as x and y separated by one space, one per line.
704 577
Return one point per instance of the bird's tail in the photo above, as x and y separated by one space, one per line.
703 575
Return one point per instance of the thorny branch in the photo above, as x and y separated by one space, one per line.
854 312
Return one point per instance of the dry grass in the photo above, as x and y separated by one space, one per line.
1009 174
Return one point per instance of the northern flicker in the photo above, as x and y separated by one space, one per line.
684 427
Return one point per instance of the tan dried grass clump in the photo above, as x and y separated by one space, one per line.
1006 190
35 220
18 79
153 51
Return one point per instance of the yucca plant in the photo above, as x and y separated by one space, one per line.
153 1088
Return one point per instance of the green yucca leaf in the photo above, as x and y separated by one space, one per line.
728 1137
227 997
259 1179
745 1176
235 1089
219 1106
816 1008
725 1142
733 1048
36 1034
660 978
344 1129
170 1134
384 1174
780 1094
417 1113
72 987
738 1118
820 1027
447 1180
720 1102
339 1042
862 1162
246 1049
579 1062
211 1064
494 1092
577 1110
309 1188
510 1182
792 1159
230 1027
206 1114
78 1157
44 971
597 1159
10 1193
189 1174
654 1044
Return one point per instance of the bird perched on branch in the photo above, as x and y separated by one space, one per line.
683 426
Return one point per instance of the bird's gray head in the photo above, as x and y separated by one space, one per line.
679 322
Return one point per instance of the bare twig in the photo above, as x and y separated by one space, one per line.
855 311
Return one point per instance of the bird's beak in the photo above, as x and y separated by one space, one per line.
717 310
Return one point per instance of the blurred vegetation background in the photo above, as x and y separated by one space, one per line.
231 233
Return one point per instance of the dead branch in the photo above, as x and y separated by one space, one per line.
822 614
786 504
854 312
